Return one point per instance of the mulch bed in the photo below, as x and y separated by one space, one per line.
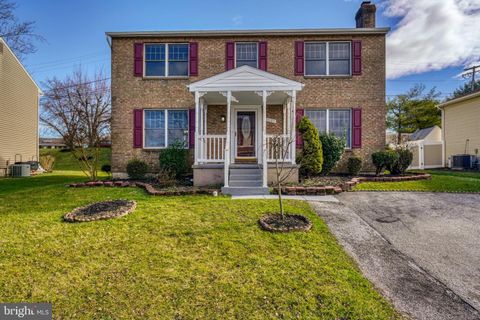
318 185
150 188
290 222
101 211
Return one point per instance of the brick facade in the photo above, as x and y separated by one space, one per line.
366 91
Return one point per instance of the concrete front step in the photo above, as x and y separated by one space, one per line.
236 177
245 183
249 171
245 191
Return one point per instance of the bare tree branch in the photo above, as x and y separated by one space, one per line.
19 35
79 110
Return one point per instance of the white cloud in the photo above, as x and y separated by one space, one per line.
237 20
431 35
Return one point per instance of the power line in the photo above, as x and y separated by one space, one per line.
472 73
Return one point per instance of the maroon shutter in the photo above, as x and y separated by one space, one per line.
191 128
138 59
262 55
356 57
194 59
137 128
230 56
356 128
298 116
299 54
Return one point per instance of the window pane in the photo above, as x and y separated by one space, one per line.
246 54
155 60
339 58
318 118
339 50
339 67
177 68
315 68
177 126
315 51
178 59
154 128
155 68
340 123
315 58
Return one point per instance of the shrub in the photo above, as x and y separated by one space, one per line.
405 158
384 159
47 162
311 159
165 178
137 169
354 165
174 159
333 148
106 168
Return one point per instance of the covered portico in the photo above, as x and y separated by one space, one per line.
237 114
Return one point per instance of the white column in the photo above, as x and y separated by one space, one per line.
197 127
264 138
293 126
227 147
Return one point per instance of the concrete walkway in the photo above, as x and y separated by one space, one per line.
301 198
412 287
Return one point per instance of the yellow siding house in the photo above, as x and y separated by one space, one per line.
461 126
19 104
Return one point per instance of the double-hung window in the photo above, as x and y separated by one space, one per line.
246 54
166 59
327 58
165 127
335 121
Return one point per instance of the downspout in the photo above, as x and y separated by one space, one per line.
444 145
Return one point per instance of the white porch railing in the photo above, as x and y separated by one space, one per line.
285 144
211 148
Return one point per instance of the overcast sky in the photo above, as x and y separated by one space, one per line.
431 40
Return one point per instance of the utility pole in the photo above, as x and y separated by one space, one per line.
472 73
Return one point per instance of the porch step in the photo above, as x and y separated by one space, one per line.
245 191
245 183
245 176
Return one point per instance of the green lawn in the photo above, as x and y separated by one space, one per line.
66 161
442 181
194 257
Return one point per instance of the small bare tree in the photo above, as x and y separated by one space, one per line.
20 36
79 109
280 146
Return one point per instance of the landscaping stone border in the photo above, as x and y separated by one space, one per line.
76 216
266 226
348 186
148 187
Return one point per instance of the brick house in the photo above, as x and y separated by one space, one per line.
228 94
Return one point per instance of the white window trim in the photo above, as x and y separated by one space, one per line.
327 119
244 42
166 61
327 60
187 145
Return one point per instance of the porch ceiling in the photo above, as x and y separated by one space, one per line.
245 98
245 78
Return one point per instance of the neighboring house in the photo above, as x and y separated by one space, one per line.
461 127
19 100
52 143
227 93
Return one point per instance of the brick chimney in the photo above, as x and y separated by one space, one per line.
365 16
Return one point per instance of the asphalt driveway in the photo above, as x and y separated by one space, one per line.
421 249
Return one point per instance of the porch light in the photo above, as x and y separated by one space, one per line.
222 118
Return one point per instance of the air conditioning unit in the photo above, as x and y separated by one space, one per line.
463 161
20 170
